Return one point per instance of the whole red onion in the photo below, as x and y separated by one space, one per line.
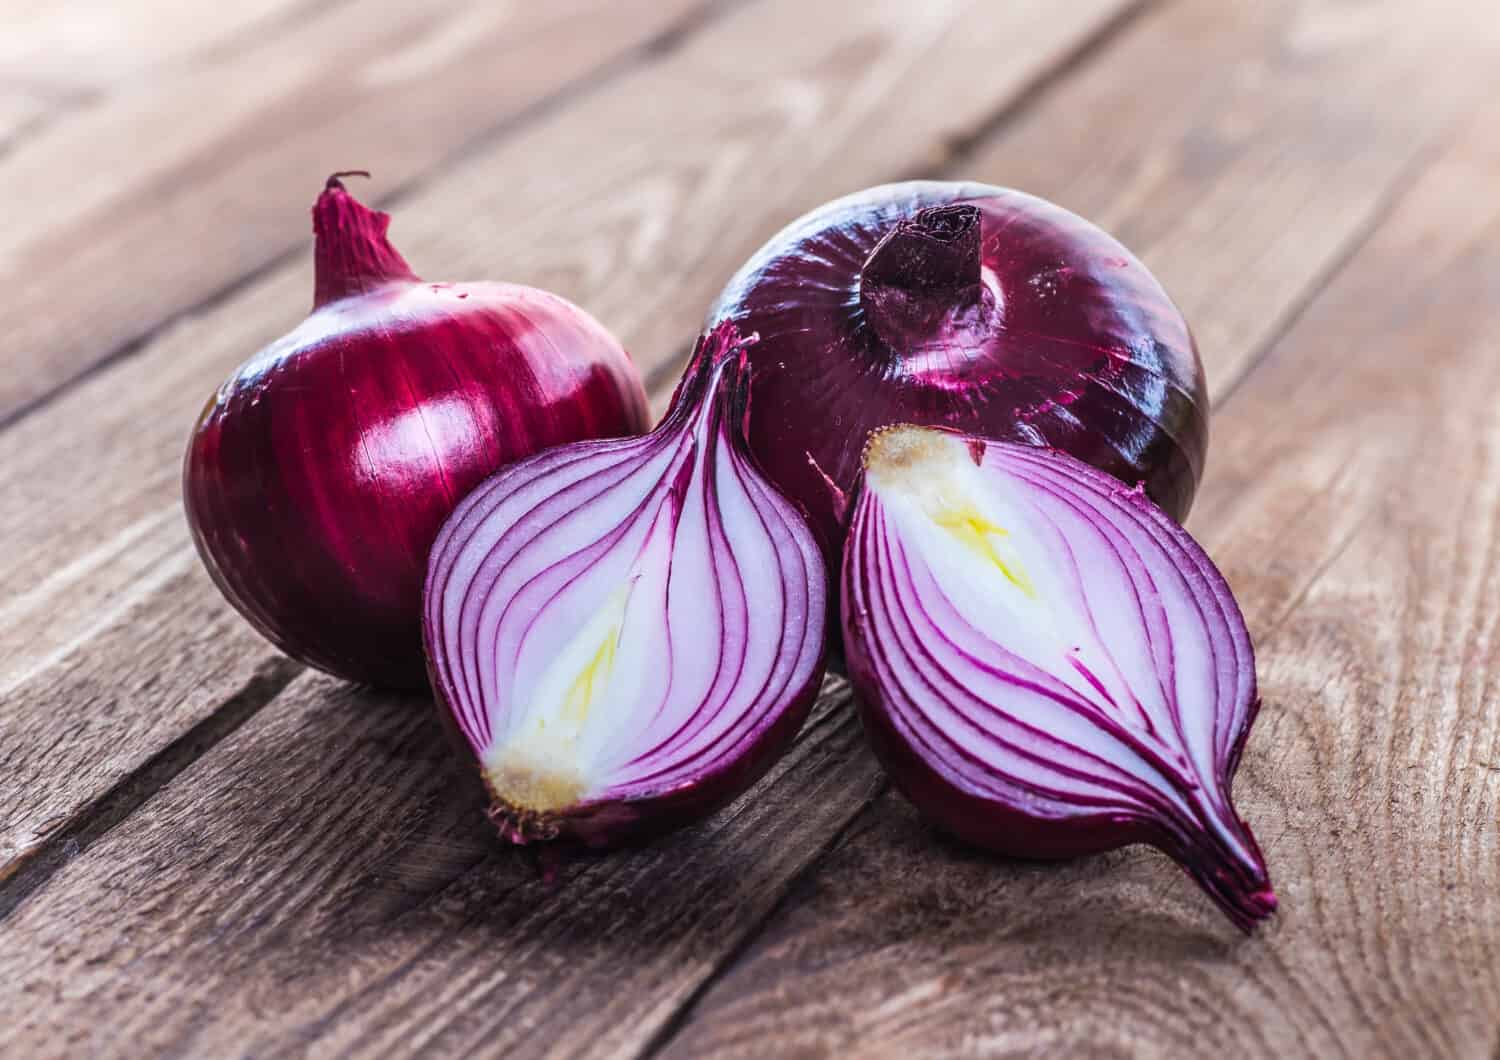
970 307
317 477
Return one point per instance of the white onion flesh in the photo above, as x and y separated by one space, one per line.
622 623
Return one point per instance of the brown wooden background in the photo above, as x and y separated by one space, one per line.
206 850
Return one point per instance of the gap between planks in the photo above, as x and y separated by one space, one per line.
119 802
24 114
682 1015
1388 199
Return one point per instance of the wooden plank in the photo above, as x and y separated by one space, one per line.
288 896
92 482
224 189
74 47
1356 509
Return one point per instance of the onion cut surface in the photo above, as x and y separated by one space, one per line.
627 633
1049 665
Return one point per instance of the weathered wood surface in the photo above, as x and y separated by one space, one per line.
278 939
209 854
75 49
108 610
1359 530
188 185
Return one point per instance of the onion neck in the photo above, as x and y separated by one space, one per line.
352 255
716 379
1221 854
923 283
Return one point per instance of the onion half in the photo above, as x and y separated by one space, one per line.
1049 665
627 633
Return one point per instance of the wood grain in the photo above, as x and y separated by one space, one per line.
291 894
77 47
1355 507
92 481
755 126
143 235
1292 123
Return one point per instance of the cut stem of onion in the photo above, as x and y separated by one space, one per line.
1048 664
627 633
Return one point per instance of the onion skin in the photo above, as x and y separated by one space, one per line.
318 475
592 634
1028 734
970 307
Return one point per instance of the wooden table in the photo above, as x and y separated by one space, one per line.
207 850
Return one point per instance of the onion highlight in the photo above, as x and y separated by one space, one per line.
1048 664
627 633
319 473
970 307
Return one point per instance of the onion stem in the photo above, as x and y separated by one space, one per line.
923 273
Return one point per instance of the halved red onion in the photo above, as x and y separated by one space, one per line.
627 633
1048 664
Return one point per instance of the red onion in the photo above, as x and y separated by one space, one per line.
1048 664
627 633
318 475
971 307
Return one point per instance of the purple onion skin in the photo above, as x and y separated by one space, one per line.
996 825
1001 828
318 475
1214 846
987 311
